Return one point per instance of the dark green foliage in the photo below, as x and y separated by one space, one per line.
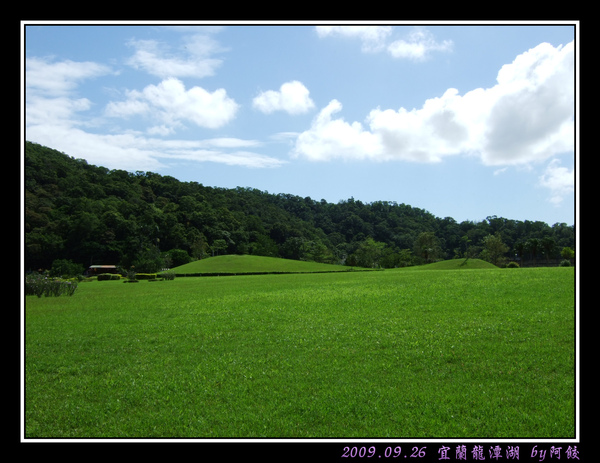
146 276
84 214
176 257
108 277
65 269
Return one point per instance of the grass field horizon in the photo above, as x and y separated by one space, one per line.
403 353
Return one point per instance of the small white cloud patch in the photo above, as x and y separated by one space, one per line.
292 97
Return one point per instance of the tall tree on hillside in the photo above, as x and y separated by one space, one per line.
218 246
368 254
549 246
428 246
494 249
532 245
520 250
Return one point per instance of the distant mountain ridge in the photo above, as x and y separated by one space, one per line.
92 215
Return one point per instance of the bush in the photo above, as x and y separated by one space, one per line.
168 275
131 274
41 285
108 276
145 276
512 264
565 263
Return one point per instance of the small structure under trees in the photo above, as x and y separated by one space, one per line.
98 269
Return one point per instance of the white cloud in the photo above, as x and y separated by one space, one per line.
419 44
171 103
532 115
527 116
372 37
133 152
126 151
134 105
330 138
160 130
61 110
193 61
59 78
292 97
234 158
560 181
51 90
423 135
231 143
56 117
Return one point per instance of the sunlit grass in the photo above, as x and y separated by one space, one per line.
399 353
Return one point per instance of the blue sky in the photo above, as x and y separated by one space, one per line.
463 120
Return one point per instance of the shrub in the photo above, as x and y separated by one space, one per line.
512 264
145 276
168 275
131 273
41 285
565 263
108 276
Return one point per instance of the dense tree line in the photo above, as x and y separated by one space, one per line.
83 214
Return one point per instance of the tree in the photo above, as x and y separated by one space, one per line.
549 245
532 245
264 246
494 249
65 268
520 250
218 245
316 251
394 258
176 257
428 246
368 253
197 244
567 253
148 260
292 248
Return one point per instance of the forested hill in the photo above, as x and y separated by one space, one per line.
89 214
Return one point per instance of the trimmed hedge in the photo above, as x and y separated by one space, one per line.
221 274
108 276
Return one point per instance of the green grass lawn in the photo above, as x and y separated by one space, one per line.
399 353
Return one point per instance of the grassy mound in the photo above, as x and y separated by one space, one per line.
245 264
456 264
